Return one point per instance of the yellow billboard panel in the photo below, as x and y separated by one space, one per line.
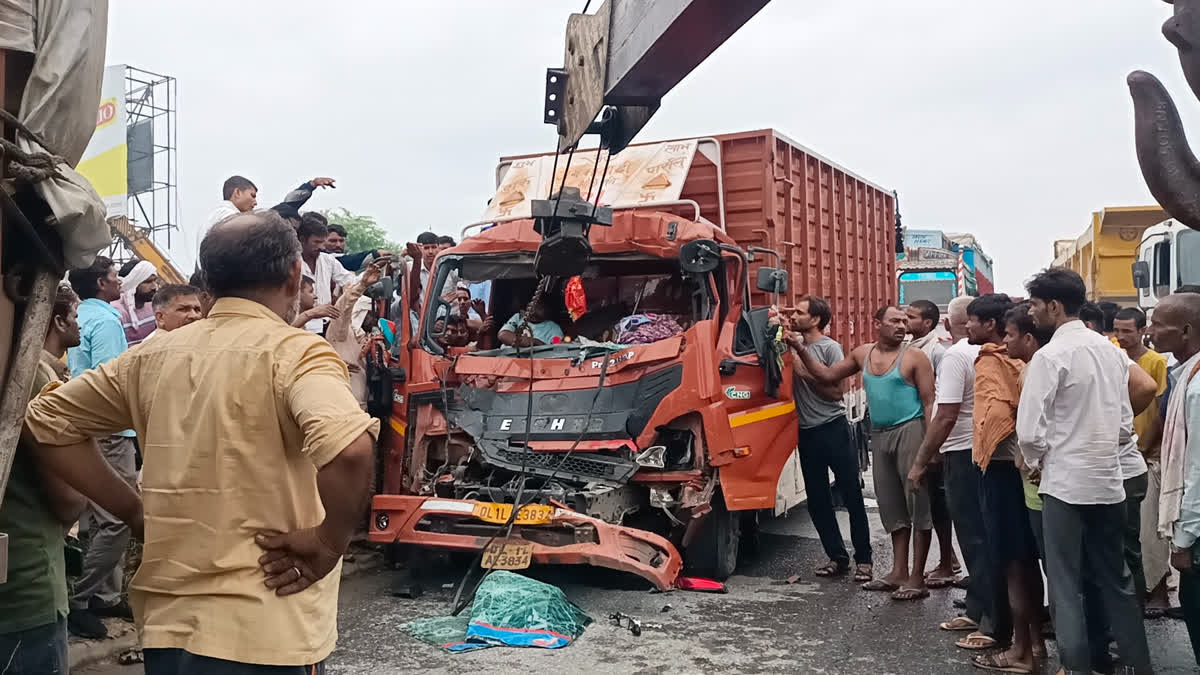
104 162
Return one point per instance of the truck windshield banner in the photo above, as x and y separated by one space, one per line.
640 174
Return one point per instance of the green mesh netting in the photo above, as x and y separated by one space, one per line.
509 609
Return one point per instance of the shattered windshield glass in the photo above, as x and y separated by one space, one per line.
500 308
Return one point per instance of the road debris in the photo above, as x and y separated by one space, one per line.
623 620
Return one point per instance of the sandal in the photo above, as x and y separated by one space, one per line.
961 582
880 585
907 594
999 662
939 582
131 656
1155 612
833 568
959 623
864 572
976 641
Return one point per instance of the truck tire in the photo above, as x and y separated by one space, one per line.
714 552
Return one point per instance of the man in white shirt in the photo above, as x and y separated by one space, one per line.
923 318
423 253
1070 422
1175 328
239 195
950 435
327 273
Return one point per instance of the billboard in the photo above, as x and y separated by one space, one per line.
640 174
105 160
925 239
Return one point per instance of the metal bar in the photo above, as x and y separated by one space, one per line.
654 45
630 53
648 205
20 376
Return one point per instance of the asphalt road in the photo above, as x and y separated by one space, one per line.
762 625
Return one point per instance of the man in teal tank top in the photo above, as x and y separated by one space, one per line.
899 385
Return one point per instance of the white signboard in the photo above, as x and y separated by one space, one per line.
637 175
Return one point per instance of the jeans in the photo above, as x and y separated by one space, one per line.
102 571
1086 542
823 449
181 662
37 651
963 495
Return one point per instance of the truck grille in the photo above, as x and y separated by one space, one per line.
582 467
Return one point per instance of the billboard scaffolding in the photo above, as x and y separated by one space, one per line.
153 197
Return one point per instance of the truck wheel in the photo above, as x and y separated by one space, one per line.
714 552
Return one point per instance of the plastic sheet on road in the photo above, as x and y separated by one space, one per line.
509 610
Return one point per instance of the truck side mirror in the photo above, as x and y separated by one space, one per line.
700 256
772 280
1141 275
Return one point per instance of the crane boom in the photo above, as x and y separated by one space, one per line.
135 240
629 54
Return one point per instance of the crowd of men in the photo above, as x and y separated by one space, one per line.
1050 437
1063 447
108 344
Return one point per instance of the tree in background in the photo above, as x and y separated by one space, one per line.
362 232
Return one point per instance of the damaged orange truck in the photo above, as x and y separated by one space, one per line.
663 422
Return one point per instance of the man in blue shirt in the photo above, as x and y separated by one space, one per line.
542 330
101 338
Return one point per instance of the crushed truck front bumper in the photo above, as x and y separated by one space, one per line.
570 538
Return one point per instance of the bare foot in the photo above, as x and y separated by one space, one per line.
1038 651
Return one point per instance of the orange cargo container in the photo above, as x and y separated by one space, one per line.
835 230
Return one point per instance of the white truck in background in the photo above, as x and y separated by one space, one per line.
1167 257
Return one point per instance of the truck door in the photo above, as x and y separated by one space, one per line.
762 423
389 365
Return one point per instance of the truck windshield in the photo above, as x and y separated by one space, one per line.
1188 255
617 300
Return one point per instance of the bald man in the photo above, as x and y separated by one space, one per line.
210 447
1175 328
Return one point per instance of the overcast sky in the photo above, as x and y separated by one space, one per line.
1010 120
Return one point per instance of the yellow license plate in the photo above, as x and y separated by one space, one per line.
507 554
530 514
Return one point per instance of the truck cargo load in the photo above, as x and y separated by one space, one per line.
634 450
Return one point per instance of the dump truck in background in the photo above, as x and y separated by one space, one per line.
1106 250
622 455
939 266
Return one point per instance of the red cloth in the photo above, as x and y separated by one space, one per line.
575 298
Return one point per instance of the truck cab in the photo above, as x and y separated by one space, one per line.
1168 257
663 420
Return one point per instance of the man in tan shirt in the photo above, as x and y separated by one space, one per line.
249 430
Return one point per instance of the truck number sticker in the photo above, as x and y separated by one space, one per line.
737 394
614 360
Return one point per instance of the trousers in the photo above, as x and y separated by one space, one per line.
102 572
823 449
1087 541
